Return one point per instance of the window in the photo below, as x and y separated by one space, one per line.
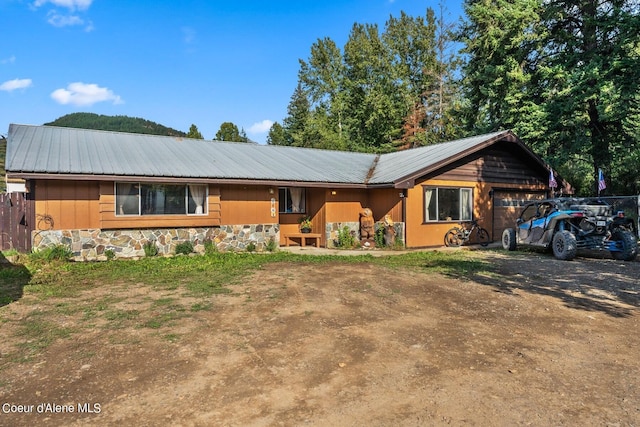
291 200
448 204
134 198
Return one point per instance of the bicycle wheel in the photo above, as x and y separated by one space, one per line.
483 236
453 237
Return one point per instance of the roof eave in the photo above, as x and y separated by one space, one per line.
191 180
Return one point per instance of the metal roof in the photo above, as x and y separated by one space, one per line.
409 164
48 150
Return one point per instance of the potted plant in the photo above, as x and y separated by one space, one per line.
305 224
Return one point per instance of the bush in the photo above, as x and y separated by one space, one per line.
346 240
150 248
272 246
184 248
110 254
251 247
379 238
210 247
52 253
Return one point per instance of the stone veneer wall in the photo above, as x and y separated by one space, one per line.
333 229
91 244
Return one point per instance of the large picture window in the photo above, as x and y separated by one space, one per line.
291 200
133 198
448 204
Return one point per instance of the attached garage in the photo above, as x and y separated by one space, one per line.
507 204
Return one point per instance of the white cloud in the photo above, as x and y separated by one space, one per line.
9 60
261 127
58 20
69 4
83 94
12 85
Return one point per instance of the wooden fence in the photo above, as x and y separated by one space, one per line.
17 219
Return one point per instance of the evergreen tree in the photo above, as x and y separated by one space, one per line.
277 135
194 132
564 74
229 132
297 118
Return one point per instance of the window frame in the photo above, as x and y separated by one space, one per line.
435 191
138 186
283 200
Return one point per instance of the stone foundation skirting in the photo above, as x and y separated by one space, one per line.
92 244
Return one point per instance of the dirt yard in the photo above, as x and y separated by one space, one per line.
542 342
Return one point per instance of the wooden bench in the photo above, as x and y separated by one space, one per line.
303 238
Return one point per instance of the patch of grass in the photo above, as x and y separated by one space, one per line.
172 338
13 279
201 306
119 318
38 332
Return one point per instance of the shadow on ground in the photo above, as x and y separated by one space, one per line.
586 283
13 278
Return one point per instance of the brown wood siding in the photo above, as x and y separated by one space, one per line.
346 204
247 204
386 202
109 220
71 204
498 164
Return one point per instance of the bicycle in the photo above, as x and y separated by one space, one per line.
459 235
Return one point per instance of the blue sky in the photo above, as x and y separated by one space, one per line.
172 62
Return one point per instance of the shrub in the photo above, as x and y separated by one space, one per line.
150 248
52 253
251 247
379 238
184 248
346 240
110 254
210 247
272 246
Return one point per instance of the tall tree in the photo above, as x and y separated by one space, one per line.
194 132
375 105
592 49
229 132
277 135
297 117
564 74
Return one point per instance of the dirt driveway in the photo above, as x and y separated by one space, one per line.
538 342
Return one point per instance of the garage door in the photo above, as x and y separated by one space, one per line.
507 205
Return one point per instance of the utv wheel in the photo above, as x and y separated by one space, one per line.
453 237
564 245
483 237
509 239
628 245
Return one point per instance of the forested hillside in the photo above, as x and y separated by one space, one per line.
114 123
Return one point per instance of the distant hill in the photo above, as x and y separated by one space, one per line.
114 123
